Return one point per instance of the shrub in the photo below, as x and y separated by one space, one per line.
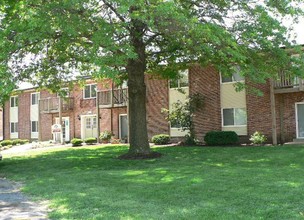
161 139
90 140
221 138
190 140
76 142
258 138
23 141
6 143
106 135
15 142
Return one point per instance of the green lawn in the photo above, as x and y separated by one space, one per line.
186 183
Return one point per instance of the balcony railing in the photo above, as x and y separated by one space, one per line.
51 104
288 83
113 98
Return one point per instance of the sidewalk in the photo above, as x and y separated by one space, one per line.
14 205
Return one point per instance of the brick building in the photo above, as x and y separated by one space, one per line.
30 114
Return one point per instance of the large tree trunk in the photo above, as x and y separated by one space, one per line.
138 135
137 110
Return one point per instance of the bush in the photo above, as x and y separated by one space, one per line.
15 142
221 138
76 142
90 140
23 141
190 141
161 139
6 143
106 135
258 138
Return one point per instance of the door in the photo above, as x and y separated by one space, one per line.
65 129
123 127
89 124
300 120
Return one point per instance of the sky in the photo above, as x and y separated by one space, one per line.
299 30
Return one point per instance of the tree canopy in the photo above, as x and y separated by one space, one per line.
47 42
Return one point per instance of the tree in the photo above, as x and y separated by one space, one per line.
182 113
47 41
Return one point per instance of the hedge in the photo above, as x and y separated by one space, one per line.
161 139
221 138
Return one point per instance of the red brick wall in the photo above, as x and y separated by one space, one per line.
206 81
157 98
24 114
259 111
285 106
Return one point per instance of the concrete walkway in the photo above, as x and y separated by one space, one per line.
15 206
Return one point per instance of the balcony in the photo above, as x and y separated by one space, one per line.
113 98
51 104
286 83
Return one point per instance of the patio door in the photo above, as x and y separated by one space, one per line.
300 119
123 127
65 129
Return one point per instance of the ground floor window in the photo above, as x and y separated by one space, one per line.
34 126
14 127
234 117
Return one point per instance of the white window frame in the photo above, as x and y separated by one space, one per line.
179 81
16 101
37 94
227 126
90 85
37 124
15 125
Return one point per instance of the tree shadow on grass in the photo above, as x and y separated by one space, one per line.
186 183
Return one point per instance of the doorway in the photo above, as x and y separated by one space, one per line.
89 126
123 127
300 119
65 129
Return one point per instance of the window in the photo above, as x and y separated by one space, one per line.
181 81
236 77
90 91
14 101
35 98
234 117
14 127
88 123
34 126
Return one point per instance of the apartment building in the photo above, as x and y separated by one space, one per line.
99 106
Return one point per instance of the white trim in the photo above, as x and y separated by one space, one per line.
36 93
83 91
82 124
15 96
66 131
120 123
297 124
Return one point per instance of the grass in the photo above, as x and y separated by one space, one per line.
186 183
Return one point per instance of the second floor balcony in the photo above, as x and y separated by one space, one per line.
51 104
113 98
285 83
